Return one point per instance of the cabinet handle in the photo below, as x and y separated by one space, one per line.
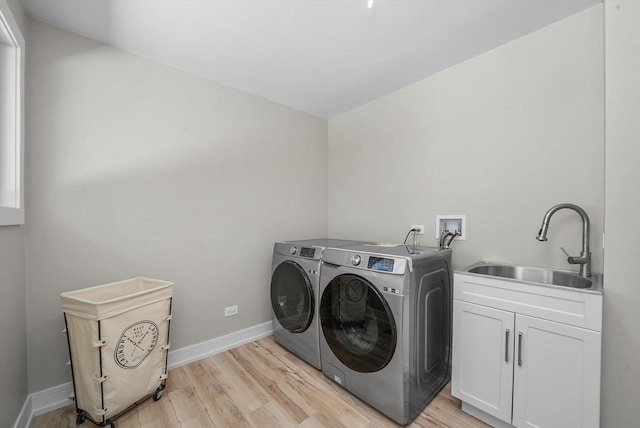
519 349
506 346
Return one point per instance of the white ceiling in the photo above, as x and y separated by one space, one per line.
323 57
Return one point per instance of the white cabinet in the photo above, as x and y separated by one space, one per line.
511 367
482 358
556 376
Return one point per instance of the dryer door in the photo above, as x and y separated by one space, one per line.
292 297
357 323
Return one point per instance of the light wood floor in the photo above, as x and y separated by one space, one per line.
261 385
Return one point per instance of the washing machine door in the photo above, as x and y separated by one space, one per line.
357 323
292 297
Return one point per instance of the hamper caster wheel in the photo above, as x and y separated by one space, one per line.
80 419
158 394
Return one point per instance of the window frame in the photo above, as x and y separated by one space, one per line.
12 108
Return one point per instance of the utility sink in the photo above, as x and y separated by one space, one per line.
537 275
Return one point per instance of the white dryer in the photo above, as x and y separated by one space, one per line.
385 315
295 275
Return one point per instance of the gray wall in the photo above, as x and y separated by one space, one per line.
139 169
13 345
136 168
621 340
13 330
500 138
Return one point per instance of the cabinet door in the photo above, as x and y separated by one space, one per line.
482 374
557 375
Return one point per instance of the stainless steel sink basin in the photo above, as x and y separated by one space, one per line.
537 275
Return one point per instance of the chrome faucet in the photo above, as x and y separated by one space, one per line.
584 260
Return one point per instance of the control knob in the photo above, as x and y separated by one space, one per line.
293 250
355 260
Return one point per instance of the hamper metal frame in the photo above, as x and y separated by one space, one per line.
82 414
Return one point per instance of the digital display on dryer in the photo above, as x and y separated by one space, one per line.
380 263
307 252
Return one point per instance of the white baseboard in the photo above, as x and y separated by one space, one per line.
25 415
59 396
189 354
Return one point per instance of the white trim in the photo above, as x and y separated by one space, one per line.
26 414
189 354
59 396
51 399
13 214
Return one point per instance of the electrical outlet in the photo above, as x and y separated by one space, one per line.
420 228
231 310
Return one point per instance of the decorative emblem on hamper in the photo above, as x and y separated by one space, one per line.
135 344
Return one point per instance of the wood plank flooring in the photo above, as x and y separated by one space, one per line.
260 385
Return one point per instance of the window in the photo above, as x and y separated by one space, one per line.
11 119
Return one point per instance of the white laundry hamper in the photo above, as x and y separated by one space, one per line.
118 337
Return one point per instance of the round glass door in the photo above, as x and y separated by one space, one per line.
357 323
292 297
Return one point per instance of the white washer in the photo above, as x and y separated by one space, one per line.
385 315
295 275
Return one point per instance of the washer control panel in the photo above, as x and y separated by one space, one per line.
307 252
381 263
370 262
291 249
304 251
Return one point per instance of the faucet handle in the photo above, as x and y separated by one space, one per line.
576 260
565 252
